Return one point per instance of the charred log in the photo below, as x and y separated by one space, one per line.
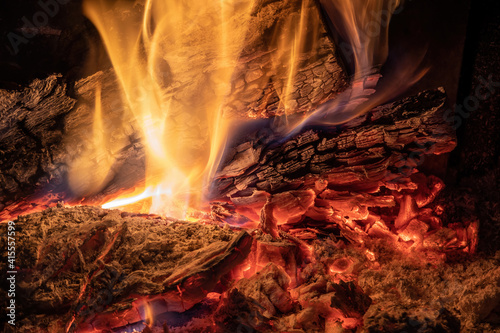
31 131
383 147
45 127
361 179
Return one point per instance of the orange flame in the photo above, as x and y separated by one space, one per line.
173 61
298 36
364 24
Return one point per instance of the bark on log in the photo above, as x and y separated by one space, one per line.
383 147
87 267
279 69
46 127
361 178
31 131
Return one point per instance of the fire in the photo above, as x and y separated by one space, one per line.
364 26
298 35
102 148
174 62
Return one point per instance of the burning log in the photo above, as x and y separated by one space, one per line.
261 83
89 268
383 147
361 178
48 127
44 129
343 175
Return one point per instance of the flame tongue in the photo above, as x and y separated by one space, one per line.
364 24
174 62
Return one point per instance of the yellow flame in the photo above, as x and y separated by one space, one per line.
90 170
149 314
294 41
174 60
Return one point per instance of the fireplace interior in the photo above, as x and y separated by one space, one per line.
250 166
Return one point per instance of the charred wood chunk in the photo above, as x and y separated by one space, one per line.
252 302
383 147
31 130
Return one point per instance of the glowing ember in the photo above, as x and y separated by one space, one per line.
342 265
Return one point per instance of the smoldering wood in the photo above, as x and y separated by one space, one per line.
105 267
45 127
384 146
266 302
100 267
392 291
361 178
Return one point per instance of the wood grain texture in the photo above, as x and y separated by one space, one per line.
382 147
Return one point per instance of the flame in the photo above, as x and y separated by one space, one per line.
297 36
174 61
364 26
98 157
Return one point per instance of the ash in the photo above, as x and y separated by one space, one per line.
89 269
